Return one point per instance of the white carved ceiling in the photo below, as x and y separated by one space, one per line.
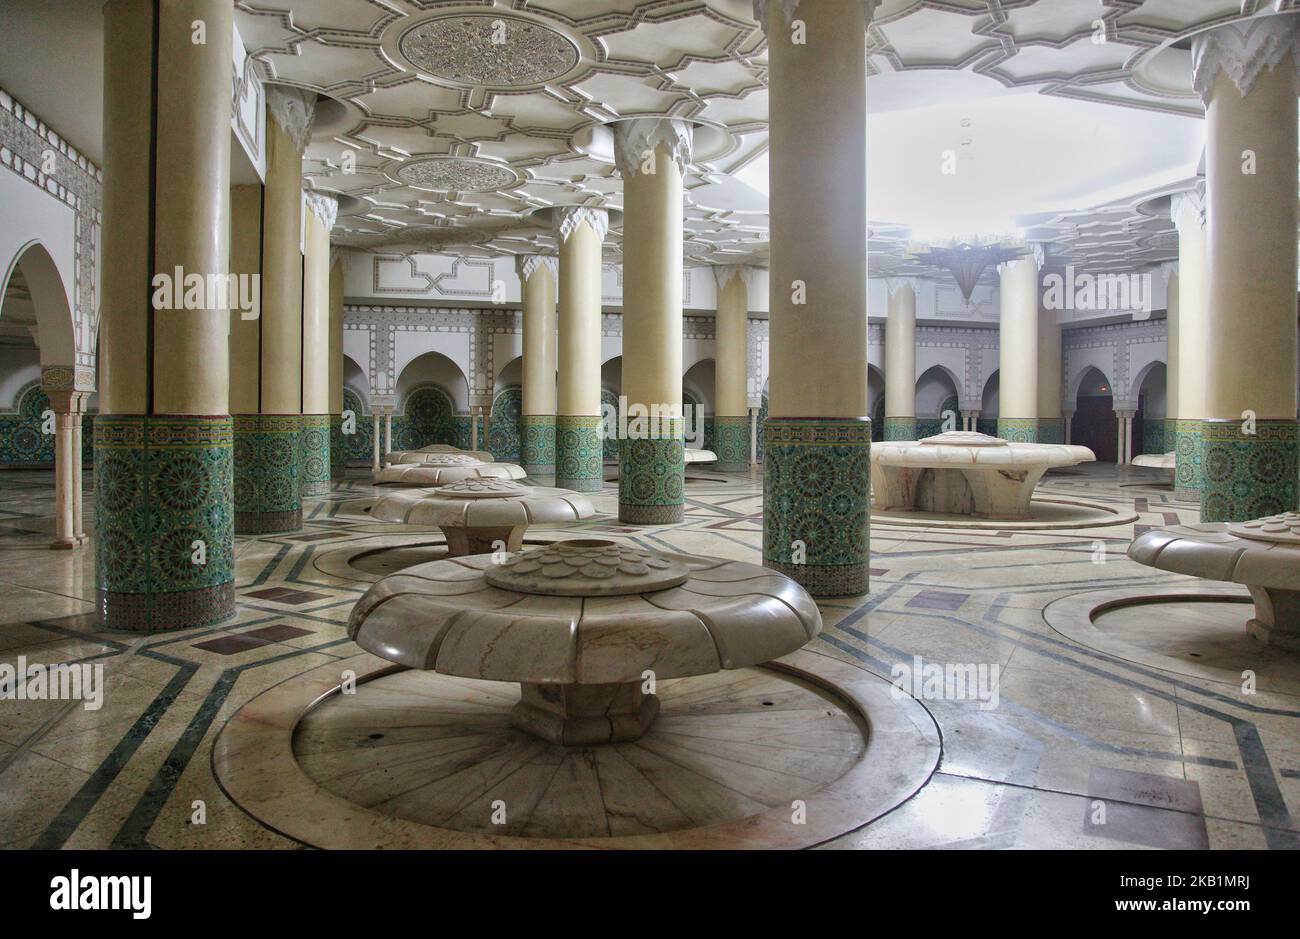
440 139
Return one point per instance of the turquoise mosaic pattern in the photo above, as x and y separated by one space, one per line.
22 440
926 427
338 446
1018 429
731 443
505 438
161 485
1051 430
901 428
428 416
761 446
817 498
537 432
267 493
609 448
578 453
314 455
357 446
1188 480
1248 476
652 477
987 426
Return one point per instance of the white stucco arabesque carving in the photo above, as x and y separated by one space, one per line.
788 9
1244 51
530 264
294 110
634 139
569 217
724 273
325 208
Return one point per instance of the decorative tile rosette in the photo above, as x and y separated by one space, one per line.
579 453
1247 476
537 444
338 446
901 428
817 502
314 455
164 547
1188 479
1052 430
268 458
1018 429
652 477
731 443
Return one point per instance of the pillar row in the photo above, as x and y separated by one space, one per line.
164 553
817 436
579 450
1250 440
731 417
539 276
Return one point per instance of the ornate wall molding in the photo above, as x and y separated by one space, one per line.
1243 51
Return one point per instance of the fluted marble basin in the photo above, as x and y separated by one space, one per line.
694 455
1263 555
964 473
585 626
440 457
482 514
433 474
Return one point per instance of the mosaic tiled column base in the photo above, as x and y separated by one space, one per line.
1247 476
579 453
1187 460
901 428
268 495
338 452
1051 430
817 502
537 445
164 550
652 476
731 443
314 455
1018 429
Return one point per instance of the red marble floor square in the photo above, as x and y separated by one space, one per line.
287 596
938 600
231 645
278 632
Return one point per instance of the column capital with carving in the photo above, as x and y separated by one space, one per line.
635 139
1243 51
567 218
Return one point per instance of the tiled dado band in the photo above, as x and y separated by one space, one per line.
579 453
1018 429
652 476
314 455
164 548
900 428
338 451
731 443
1051 430
1187 460
817 502
537 445
1248 475
268 495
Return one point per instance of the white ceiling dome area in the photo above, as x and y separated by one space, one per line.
446 126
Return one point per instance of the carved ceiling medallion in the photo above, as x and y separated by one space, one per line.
489 49
456 174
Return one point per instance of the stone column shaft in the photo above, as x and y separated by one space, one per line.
1051 429
1188 212
731 417
817 479
338 441
1018 351
314 455
537 415
900 363
579 450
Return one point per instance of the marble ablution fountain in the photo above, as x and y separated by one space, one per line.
442 468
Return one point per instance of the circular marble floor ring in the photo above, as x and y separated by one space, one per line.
1047 514
256 762
1197 631
342 561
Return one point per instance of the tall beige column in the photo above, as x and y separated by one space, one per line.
388 433
163 436
652 155
579 449
1051 427
539 277
79 412
338 440
65 536
1250 440
1170 272
376 464
269 432
818 417
731 419
1191 363
1018 350
314 453
900 361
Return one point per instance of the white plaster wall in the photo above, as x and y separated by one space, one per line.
410 344
28 214
17 368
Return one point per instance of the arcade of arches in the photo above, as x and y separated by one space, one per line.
348 236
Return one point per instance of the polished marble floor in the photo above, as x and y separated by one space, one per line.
1088 745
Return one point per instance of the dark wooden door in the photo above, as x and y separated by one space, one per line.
1094 427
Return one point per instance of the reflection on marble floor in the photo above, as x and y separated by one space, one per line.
1178 759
